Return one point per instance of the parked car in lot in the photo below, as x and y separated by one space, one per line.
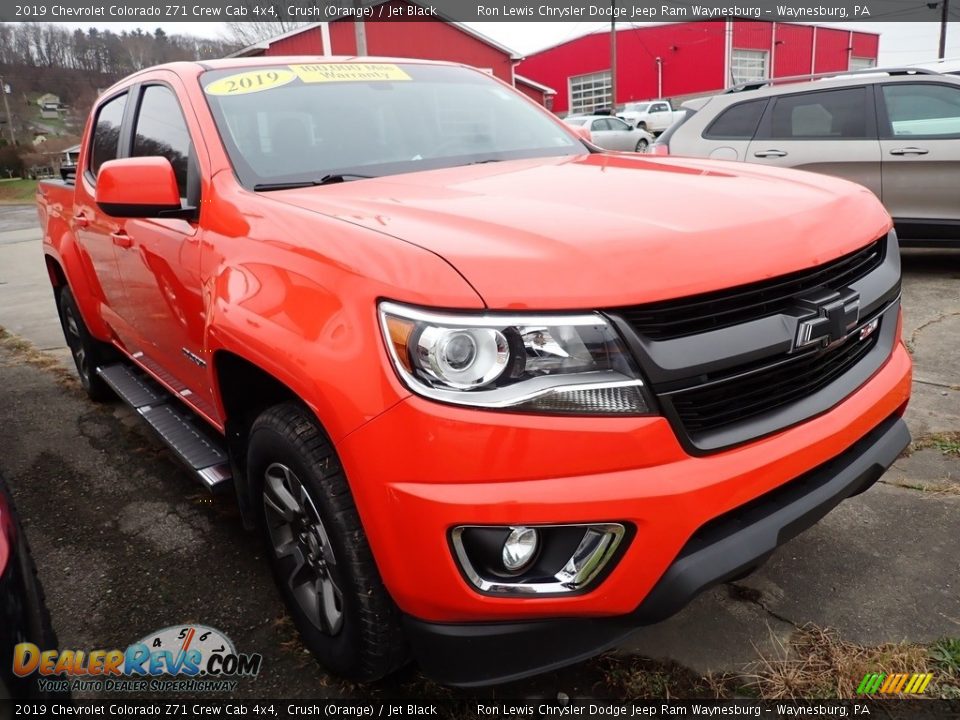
486 408
654 116
896 132
23 609
612 133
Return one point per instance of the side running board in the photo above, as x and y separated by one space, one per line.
186 436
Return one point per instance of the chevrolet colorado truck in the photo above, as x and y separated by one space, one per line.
486 410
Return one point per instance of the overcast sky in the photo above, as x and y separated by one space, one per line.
900 43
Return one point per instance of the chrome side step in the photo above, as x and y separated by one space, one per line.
185 435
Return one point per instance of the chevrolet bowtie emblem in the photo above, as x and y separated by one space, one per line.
831 315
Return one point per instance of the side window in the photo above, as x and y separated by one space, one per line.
617 124
826 114
922 109
659 107
106 133
600 125
161 130
738 122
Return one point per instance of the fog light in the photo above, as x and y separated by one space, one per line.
520 548
537 561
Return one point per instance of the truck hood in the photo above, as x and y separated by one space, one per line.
604 230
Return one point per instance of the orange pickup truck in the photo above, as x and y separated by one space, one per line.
494 397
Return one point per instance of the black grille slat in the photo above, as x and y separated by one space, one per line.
699 421
747 387
761 306
735 400
702 422
724 308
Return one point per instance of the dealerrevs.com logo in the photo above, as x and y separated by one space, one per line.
177 658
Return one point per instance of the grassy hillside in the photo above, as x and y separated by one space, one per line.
17 192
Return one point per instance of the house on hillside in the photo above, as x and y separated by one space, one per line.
70 155
50 106
48 99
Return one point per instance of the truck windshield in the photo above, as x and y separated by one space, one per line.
636 107
285 125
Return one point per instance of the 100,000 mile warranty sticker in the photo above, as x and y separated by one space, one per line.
349 72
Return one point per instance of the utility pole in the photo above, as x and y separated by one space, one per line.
360 30
6 105
613 57
944 12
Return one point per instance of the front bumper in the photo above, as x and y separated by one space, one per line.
422 468
471 654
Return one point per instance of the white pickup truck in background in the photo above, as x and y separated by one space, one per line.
654 116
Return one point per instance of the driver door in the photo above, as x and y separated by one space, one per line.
159 258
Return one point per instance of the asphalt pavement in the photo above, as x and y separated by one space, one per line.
127 543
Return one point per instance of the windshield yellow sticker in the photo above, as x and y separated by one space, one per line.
250 82
349 72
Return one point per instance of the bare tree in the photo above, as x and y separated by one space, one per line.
251 32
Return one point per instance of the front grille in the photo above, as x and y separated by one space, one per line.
724 308
741 397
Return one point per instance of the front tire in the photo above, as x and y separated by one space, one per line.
88 352
318 552
642 145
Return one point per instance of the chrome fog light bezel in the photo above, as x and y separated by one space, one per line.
598 547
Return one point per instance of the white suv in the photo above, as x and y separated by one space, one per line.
896 132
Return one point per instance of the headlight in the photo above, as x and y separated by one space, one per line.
537 363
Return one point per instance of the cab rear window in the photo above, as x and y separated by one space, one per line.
106 133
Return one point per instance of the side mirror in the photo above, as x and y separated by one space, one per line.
141 187
583 133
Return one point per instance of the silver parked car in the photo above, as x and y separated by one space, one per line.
612 133
894 131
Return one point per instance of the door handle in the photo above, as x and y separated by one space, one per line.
81 221
121 239
909 151
770 153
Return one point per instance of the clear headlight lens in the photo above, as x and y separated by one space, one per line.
537 363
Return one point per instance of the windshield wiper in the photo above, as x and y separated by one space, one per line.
283 185
325 180
340 177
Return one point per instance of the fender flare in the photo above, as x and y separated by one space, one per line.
67 255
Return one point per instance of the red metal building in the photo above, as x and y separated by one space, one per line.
681 59
426 39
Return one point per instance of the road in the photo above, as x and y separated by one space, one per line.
126 543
